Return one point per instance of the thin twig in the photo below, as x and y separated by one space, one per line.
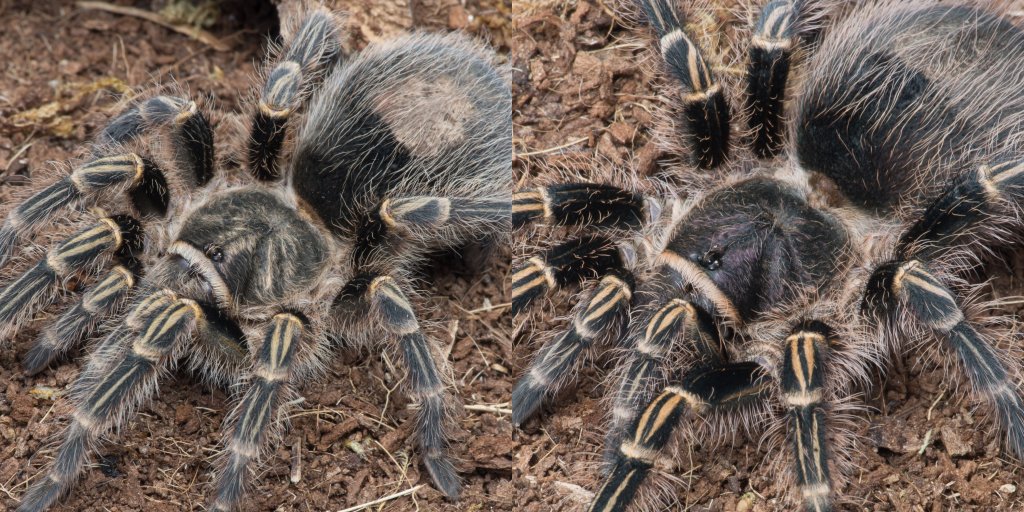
502 408
385 499
195 33
936 402
554 149
492 307
17 154
926 442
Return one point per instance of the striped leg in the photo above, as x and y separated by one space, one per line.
254 416
583 205
767 73
111 390
191 135
971 203
429 219
601 318
382 298
898 288
315 45
802 378
724 387
679 326
78 322
568 263
191 142
420 216
705 111
36 287
106 173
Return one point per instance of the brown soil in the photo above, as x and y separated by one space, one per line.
581 99
62 67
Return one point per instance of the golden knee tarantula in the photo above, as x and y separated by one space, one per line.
841 229
359 166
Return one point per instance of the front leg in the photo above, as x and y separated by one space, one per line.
725 386
599 320
802 380
251 422
677 326
120 376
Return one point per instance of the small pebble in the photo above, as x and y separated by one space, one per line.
956 445
45 392
746 503
182 413
1008 489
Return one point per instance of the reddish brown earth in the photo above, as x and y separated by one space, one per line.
580 99
63 71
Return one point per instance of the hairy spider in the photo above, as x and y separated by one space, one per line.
786 274
360 166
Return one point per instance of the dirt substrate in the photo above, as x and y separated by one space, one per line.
64 70
581 98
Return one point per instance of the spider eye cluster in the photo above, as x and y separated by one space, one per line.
214 252
710 260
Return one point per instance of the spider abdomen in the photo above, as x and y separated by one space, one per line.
900 100
413 117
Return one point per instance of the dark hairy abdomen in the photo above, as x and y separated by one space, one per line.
901 102
429 117
330 180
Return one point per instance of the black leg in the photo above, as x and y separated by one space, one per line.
899 290
701 390
767 73
973 207
429 221
80 252
972 204
568 263
379 299
802 380
78 322
191 134
678 326
102 174
582 205
705 112
602 317
110 390
253 418
315 45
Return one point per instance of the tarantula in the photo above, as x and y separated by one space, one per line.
359 166
843 230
